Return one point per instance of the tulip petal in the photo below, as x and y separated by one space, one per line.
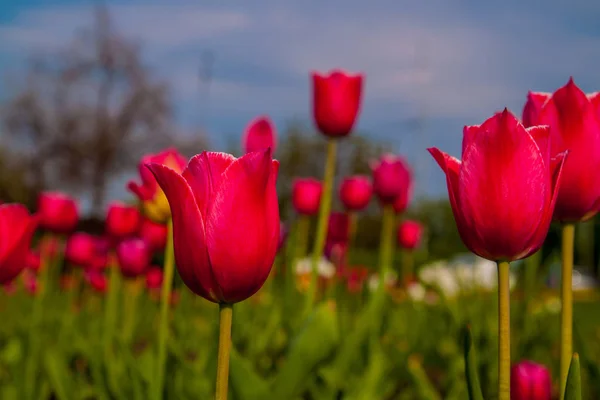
503 182
244 210
191 253
15 218
541 135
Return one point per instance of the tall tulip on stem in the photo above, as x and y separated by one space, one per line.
505 218
574 120
355 193
336 103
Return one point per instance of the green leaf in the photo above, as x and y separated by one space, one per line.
573 389
471 367
58 375
423 384
245 382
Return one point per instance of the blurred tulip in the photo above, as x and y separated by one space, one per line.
356 192
30 283
33 261
409 234
221 203
154 234
133 256
503 193
154 202
356 278
391 178
16 230
58 212
101 253
260 134
533 106
306 195
81 249
154 278
401 203
10 287
96 280
338 229
122 220
283 234
574 126
530 381
336 102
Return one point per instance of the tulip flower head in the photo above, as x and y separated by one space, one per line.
225 222
574 126
533 107
80 249
306 195
133 256
260 134
336 102
392 178
409 234
154 278
504 191
154 234
153 200
356 192
530 381
16 230
122 220
57 212
34 261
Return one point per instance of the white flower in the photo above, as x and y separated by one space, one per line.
416 291
324 267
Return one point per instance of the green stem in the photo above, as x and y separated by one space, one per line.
531 267
566 314
129 308
225 318
163 327
386 245
324 209
353 223
301 237
503 330
111 306
408 265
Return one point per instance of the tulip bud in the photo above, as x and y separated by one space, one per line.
154 278
133 256
58 212
153 200
391 178
355 192
336 102
96 280
80 249
16 230
306 195
530 381
409 234
218 204
122 220
34 261
154 234
260 134
533 106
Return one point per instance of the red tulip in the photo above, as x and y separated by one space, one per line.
34 261
574 126
391 178
81 249
260 134
122 220
503 193
225 222
154 202
533 106
338 228
356 192
409 234
101 254
154 234
16 230
96 280
133 256
58 212
530 381
306 195
401 203
154 278
31 283
356 278
336 102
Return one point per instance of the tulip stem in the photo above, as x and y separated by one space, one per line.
408 265
299 251
386 245
503 330
111 306
566 314
129 306
324 209
352 225
163 324
225 318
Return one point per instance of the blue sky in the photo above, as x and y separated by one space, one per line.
453 63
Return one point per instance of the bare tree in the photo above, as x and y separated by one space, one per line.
87 113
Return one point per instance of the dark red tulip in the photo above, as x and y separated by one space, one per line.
58 212
96 280
221 203
401 203
122 220
356 278
154 233
306 195
260 134
574 126
503 192
409 234
81 249
34 261
101 255
336 102
530 381
152 198
356 192
154 278
16 230
133 256
533 106
338 228
392 178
